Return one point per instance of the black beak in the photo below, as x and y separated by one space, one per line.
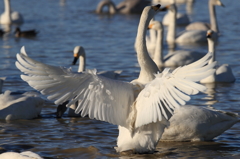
74 60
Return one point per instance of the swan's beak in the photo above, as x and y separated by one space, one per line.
156 7
165 8
75 59
209 34
150 26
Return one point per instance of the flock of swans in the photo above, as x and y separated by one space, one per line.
148 109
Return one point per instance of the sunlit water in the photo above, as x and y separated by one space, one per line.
108 41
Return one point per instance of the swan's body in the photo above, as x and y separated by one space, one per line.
140 108
195 123
23 106
9 16
224 72
22 155
125 7
181 19
172 59
186 37
213 20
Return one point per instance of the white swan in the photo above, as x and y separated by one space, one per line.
125 7
140 108
195 123
9 16
213 19
79 53
20 106
174 58
224 72
185 37
22 155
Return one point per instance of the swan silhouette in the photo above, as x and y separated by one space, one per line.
141 108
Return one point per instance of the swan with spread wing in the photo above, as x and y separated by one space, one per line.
141 108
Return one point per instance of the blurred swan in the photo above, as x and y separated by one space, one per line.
174 58
9 16
22 155
140 107
213 19
20 106
224 72
26 33
125 7
181 19
185 37
79 53
195 123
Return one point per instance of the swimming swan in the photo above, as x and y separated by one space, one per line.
22 155
20 106
195 123
213 19
224 72
185 37
9 16
125 7
140 107
79 53
174 58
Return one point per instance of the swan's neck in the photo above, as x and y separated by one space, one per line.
6 16
147 66
213 19
82 62
211 48
7 6
171 34
158 54
111 7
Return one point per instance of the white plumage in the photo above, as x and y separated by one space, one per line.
140 108
22 155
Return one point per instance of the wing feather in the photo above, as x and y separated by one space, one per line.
99 97
170 90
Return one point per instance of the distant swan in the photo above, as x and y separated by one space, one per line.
185 37
22 155
213 19
125 7
79 53
172 59
140 107
9 16
195 123
224 72
26 33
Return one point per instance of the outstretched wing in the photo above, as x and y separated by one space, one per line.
170 90
99 97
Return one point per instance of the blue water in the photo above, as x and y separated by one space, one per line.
109 45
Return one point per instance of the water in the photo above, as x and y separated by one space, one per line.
108 41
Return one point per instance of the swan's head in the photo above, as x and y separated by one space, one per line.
77 52
217 3
171 7
153 9
156 25
211 34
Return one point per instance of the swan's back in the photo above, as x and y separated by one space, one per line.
198 26
195 123
20 106
23 155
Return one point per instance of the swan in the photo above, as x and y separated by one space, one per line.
224 72
172 59
185 37
79 53
22 155
141 108
9 16
20 106
213 20
195 123
26 33
125 7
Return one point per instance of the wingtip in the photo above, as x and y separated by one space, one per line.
23 51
